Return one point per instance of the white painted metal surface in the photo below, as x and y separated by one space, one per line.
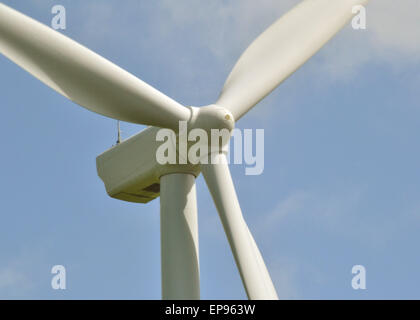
280 50
83 76
254 273
179 237
98 85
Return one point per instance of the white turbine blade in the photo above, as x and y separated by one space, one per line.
281 50
254 273
83 76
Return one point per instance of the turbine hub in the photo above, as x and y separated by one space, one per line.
211 117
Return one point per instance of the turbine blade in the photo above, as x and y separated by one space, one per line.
254 273
281 50
83 76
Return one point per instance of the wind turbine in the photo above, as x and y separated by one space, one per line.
130 170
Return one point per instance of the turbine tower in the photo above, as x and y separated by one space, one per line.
130 170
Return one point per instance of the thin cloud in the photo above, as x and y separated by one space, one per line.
14 280
227 29
284 274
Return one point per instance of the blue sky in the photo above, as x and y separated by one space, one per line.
342 163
